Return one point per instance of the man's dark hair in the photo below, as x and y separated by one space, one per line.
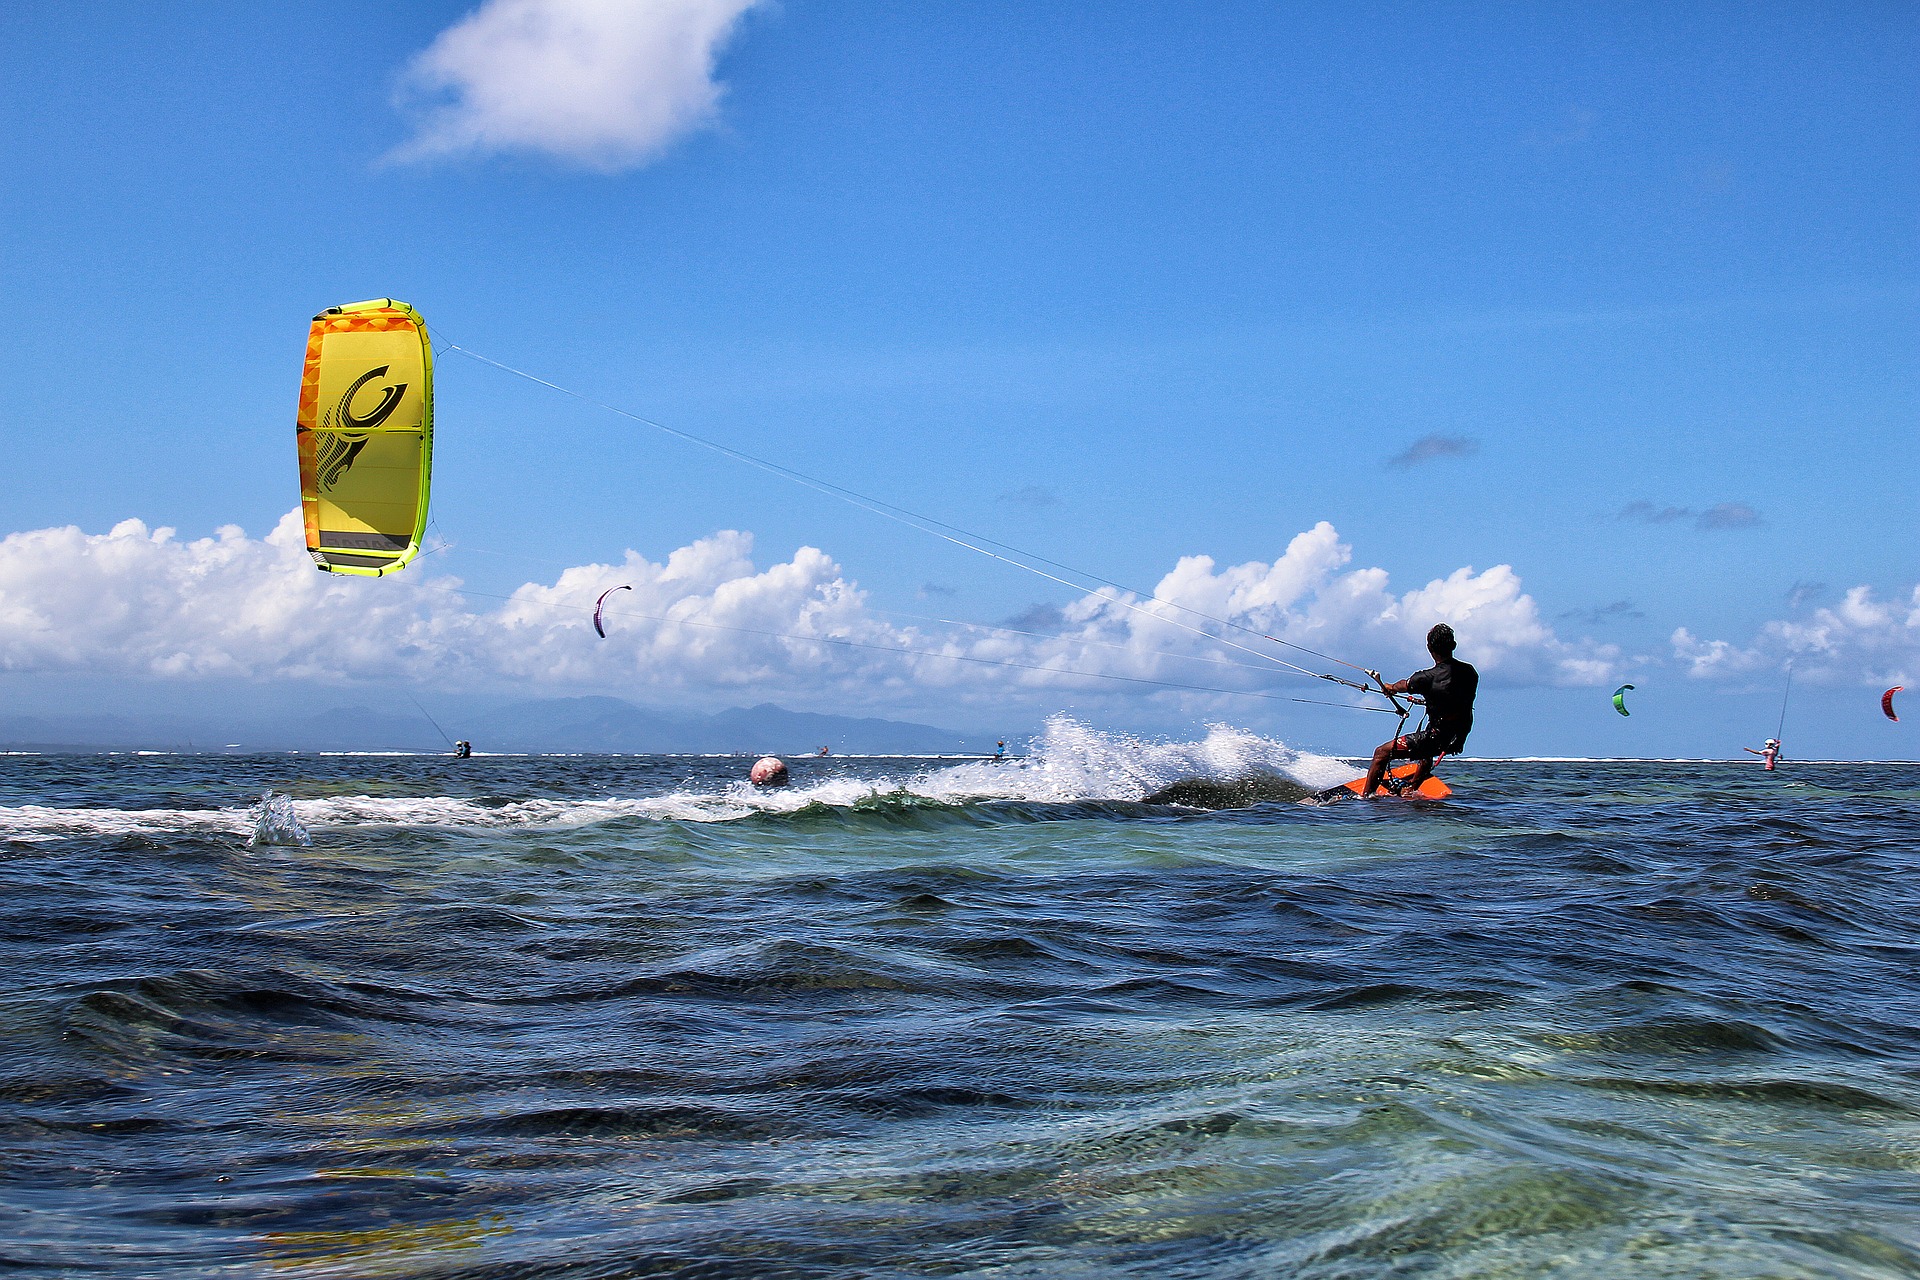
1440 639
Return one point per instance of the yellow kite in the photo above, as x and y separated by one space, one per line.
366 436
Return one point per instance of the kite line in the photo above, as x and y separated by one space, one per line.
975 542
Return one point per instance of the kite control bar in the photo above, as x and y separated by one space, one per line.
1390 697
1351 684
1402 702
1379 686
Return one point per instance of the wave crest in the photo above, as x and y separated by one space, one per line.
1070 763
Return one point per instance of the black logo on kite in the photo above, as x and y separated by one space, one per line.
338 448
336 454
389 401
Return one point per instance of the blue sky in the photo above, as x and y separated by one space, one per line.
1630 293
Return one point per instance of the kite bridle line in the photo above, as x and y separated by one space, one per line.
977 543
430 720
1781 730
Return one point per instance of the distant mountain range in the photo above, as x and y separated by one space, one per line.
544 725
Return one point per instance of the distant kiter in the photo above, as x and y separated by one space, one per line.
1000 749
462 749
1768 753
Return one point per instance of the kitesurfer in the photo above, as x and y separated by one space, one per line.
1768 752
1000 749
1448 686
462 750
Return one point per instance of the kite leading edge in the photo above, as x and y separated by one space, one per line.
365 435
1620 699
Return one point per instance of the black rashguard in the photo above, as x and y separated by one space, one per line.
1448 686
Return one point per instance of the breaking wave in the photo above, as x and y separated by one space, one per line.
1070 763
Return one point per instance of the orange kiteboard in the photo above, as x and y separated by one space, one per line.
1431 789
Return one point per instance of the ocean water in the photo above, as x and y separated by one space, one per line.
623 1016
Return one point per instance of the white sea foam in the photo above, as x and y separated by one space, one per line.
1070 762
1074 762
32 822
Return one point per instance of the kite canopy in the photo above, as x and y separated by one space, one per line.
1886 701
365 435
1620 699
600 604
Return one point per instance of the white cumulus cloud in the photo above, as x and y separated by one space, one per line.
1860 640
606 84
1310 598
143 603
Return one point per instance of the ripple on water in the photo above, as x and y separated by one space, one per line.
615 1018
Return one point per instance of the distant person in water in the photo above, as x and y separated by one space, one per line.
1448 687
1768 753
1000 749
462 749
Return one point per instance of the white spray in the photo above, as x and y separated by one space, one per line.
275 822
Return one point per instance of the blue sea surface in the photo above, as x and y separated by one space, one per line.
624 1016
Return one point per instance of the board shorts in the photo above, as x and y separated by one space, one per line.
1426 744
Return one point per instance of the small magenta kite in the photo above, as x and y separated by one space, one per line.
601 604
1886 701
1620 699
